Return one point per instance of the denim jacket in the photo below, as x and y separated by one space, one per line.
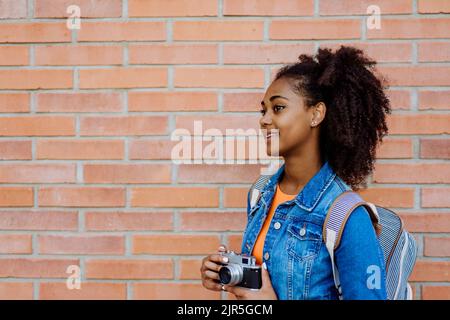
295 254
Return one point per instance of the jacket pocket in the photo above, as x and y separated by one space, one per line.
304 240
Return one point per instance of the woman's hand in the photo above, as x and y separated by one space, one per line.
210 270
265 293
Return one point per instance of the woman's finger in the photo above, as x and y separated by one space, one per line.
212 285
212 275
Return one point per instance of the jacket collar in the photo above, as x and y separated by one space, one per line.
311 193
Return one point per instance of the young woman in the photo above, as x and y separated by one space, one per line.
329 111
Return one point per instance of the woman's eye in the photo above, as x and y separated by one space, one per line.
278 108
262 111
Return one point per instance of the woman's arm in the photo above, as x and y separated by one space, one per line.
359 259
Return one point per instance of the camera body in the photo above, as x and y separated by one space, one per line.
241 271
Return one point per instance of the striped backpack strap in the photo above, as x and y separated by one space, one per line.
257 188
335 221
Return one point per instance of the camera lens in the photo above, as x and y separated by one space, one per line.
225 275
231 274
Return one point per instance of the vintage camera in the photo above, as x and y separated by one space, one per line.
241 271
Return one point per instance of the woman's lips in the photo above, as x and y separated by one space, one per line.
270 135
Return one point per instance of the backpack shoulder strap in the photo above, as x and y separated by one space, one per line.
256 189
335 221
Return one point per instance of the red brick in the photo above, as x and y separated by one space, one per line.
179 8
36 79
80 149
37 126
234 242
151 149
81 244
235 197
13 9
81 197
14 102
88 8
175 197
436 247
218 30
213 221
268 8
15 243
350 7
123 125
264 53
79 102
435 148
219 77
430 271
128 221
427 221
35 268
137 77
173 54
399 99
411 28
434 100
37 173
190 269
34 32
16 290
16 197
75 55
379 51
129 269
127 173
173 291
395 148
315 29
172 101
435 292
218 173
435 197
174 244
14 55
39 220
87 291
418 124
433 51
433 6
390 197
122 31
219 122
412 173
242 101
421 75
15 150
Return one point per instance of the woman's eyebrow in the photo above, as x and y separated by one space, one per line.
272 98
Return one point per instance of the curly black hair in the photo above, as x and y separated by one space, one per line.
356 103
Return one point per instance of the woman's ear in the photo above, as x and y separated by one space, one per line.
319 111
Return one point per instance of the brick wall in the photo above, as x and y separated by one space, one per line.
86 117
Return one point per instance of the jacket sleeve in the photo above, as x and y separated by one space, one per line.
359 259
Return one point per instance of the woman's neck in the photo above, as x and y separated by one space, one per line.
298 171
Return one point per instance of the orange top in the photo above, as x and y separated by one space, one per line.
279 197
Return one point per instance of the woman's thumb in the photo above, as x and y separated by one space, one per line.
265 273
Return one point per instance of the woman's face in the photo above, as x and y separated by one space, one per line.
284 110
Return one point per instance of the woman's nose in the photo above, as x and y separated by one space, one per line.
265 120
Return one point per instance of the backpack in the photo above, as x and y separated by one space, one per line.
398 246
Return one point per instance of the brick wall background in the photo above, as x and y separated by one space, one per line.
86 117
